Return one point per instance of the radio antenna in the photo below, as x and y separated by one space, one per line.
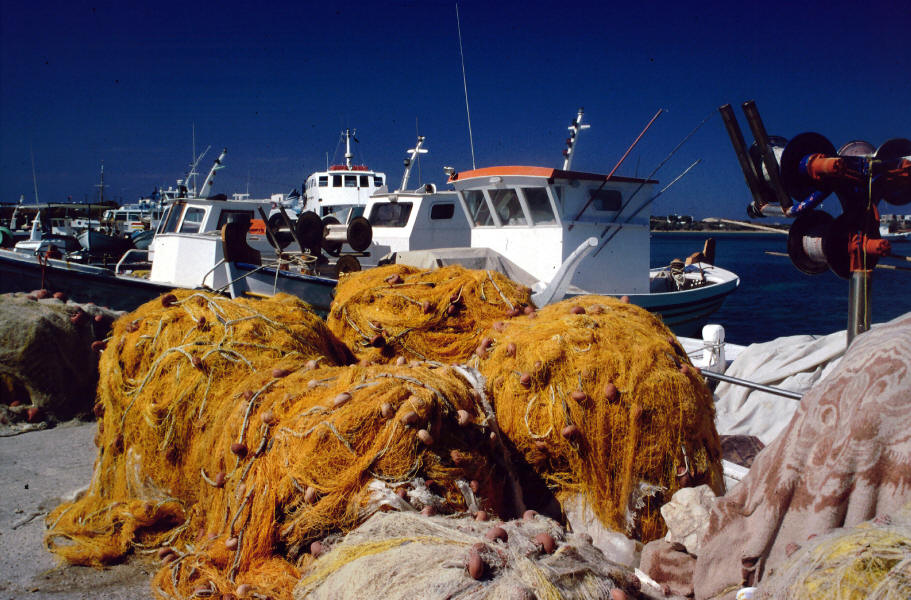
465 87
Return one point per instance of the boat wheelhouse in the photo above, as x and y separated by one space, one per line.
538 216
341 188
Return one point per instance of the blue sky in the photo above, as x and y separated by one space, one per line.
275 83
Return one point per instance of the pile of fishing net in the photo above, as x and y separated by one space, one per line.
230 441
600 400
869 562
404 555
441 314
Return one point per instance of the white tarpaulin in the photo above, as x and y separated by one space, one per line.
793 363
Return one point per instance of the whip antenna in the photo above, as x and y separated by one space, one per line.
465 87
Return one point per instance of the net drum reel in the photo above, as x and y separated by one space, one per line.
794 181
329 236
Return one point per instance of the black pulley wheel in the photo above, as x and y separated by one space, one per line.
281 238
346 264
309 229
360 234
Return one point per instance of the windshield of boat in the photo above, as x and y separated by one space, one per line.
539 206
506 203
390 214
478 212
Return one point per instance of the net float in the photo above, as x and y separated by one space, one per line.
268 417
546 542
220 479
400 361
529 515
425 437
278 373
316 549
411 418
311 495
42 293
341 399
525 379
168 300
98 345
510 349
579 396
481 515
570 432
386 410
577 310
33 414
239 449
475 564
611 392
496 533
463 417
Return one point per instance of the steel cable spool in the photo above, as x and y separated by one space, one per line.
806 191
805 241
894 191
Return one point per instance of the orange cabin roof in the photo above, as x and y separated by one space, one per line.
353 168
549 173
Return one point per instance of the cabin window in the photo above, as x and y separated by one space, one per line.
539 206
442 211
377 181
365 181
606 200
350 180
336 181
192 220
477 208
506 203
324 181
237 216
390 214
173 218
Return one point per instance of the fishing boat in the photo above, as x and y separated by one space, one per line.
571 232
333 193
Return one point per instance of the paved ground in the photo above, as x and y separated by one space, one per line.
37 469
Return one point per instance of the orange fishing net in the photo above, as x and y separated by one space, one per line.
397 310
600 399
229 441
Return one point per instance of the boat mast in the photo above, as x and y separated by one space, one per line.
349 135
574 128
413 153
206 188
101 186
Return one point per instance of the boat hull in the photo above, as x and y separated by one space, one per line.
685 312
21 272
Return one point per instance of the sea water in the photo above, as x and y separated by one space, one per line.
774 298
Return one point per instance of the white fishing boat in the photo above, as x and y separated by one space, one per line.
340 188
572 232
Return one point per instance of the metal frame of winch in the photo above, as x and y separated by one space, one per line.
791 178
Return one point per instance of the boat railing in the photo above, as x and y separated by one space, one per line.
125 255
